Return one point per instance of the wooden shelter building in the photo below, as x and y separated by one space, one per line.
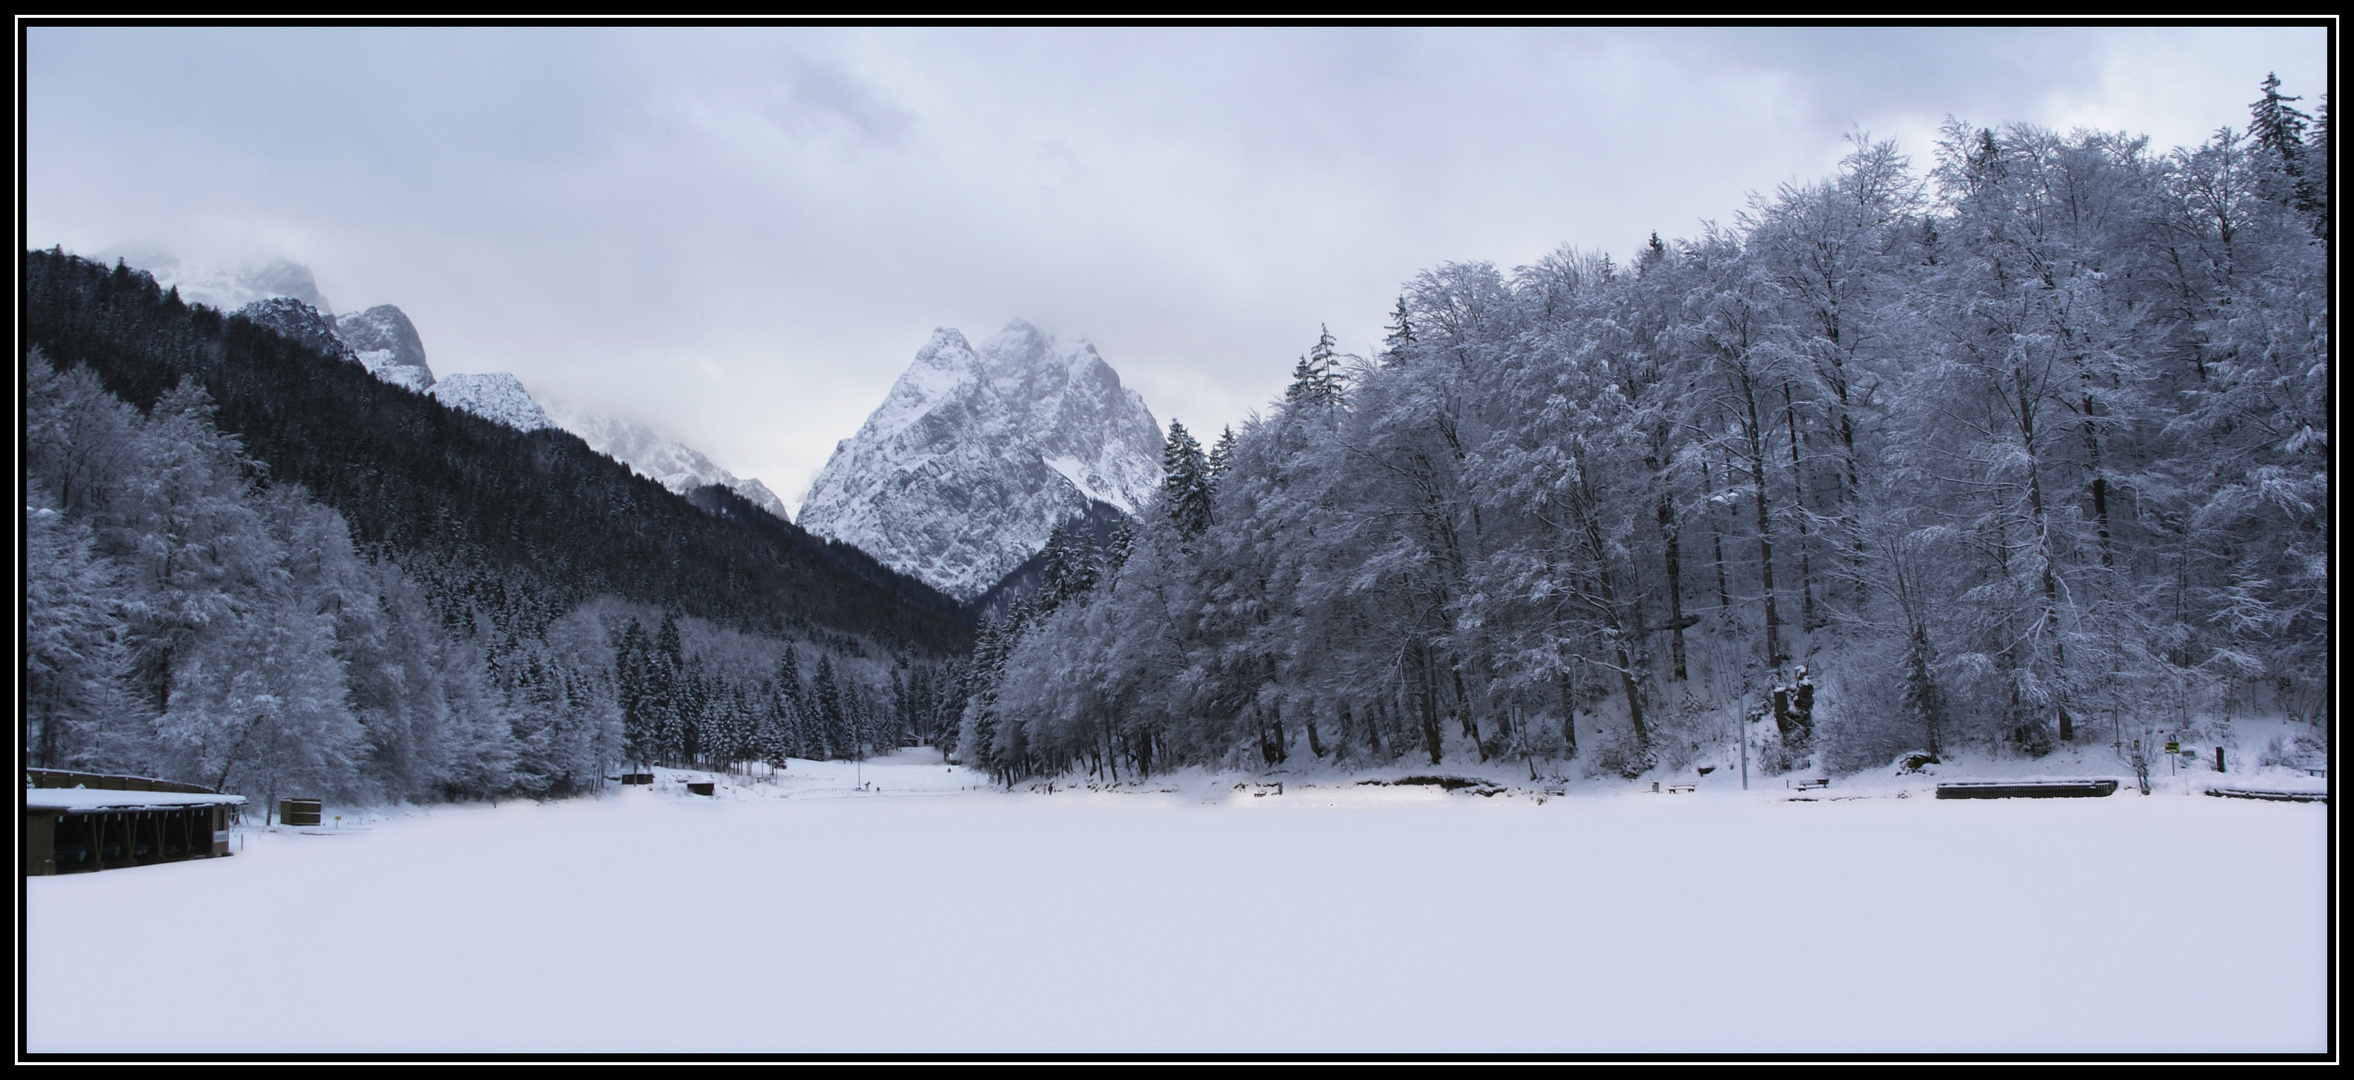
89 821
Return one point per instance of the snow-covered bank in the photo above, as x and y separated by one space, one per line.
916 915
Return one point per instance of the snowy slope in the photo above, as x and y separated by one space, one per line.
386 343
673 464
977 454
494 395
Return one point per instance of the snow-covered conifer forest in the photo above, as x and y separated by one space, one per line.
2022 450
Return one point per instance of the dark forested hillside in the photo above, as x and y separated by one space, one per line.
720 501
521 527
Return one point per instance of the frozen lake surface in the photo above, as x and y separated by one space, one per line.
812 917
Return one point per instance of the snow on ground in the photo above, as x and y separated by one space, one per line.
926 912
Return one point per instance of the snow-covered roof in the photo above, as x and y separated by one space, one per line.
82 798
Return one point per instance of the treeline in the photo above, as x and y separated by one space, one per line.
2029 452
727 705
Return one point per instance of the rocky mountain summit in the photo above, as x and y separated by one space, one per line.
298 321
976 455
380 339
383 340
386 343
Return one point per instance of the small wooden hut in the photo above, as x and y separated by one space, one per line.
91 821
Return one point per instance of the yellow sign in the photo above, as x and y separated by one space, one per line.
2173 747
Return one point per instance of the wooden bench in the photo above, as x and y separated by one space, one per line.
2272 796
1813 785
2026 789
1683 787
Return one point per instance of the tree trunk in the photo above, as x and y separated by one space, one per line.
2050 616
1716 541
1668 532
1754 430
2100 481
1431 736
1569 712
1463 706
1807 621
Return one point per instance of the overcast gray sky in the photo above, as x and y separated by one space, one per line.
741 236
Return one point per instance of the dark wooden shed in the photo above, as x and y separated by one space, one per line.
89 821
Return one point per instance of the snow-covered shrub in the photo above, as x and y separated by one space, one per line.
1617 753
1772 755
1863 723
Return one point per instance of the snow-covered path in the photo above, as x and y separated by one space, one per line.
1354 919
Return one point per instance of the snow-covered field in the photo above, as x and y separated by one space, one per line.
924 913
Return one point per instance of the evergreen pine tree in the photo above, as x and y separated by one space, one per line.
826 709
1222 453
633 677
2280 131
1315 380
1185 483
1070 570
1654 254
1115 552
665 686
1399 342
792 705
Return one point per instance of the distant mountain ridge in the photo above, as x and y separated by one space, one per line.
975 455
383 341
284 297
521 526
671 463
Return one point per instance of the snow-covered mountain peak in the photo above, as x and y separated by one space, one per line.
494 396
1015 350
298 321
976 455
944 364
386 343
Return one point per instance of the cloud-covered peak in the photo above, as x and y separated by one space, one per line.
226 286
